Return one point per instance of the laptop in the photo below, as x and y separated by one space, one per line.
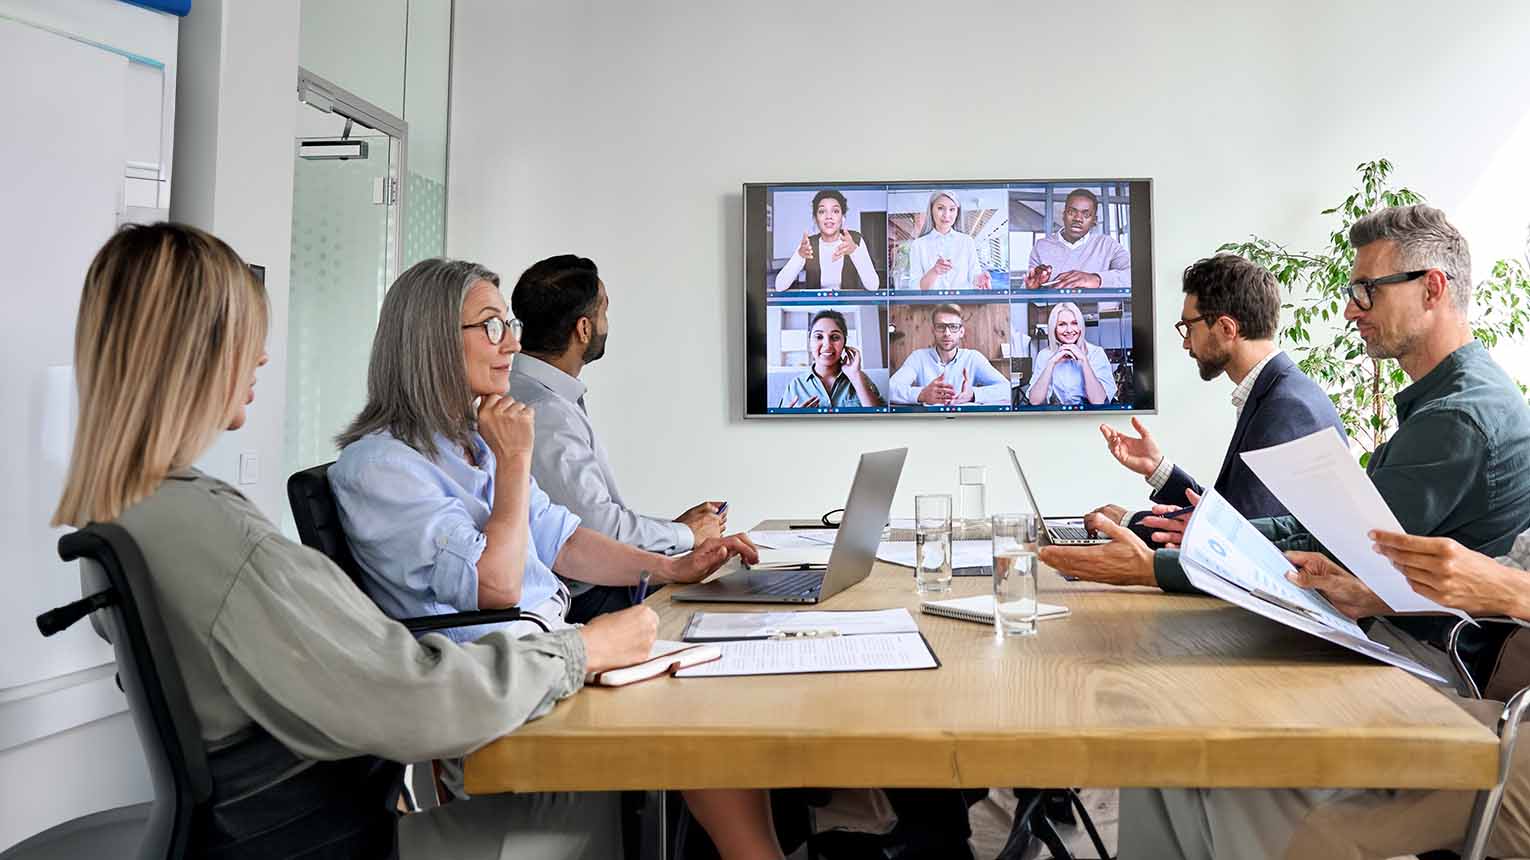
1061 531
855 546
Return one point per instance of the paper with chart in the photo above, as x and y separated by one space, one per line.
720 626
1221 542
1321 484
873 652
1225 556
964 553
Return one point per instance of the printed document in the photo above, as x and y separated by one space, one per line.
1321 484
718 626
869 653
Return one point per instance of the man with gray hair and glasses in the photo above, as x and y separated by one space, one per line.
1457 469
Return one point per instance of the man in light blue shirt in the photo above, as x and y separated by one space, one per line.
562 303
945 374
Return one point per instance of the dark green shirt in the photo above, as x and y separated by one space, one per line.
1457 467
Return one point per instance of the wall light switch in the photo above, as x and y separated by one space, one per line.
249 467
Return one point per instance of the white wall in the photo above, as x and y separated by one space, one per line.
235 128
622 131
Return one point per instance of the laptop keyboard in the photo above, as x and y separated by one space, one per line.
1070 532
804 583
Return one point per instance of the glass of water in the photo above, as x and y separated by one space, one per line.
1014 574
932 543
971 500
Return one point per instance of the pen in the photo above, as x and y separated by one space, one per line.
1171 515
642 588
801 634
722 509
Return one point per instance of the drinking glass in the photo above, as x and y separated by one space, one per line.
932 543
971 498
1014 574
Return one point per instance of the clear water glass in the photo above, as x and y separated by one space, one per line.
1015 538
932 543
972 495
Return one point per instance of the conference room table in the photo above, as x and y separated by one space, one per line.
1133 688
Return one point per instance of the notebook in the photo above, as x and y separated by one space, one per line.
980 608
665 659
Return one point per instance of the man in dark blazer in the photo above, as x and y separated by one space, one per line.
1228 325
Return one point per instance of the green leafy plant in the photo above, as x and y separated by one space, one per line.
1332 352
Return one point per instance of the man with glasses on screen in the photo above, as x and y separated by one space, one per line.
1075 260
945 374
1227 325
1458 467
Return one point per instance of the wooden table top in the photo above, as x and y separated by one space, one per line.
1135 688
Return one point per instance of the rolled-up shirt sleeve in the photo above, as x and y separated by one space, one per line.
436 555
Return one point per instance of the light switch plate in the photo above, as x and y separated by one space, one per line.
249 467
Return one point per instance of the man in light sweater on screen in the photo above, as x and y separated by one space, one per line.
561 301
1075 259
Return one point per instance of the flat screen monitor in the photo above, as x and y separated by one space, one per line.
1007 297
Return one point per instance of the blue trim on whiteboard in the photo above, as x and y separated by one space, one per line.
128 55
180 8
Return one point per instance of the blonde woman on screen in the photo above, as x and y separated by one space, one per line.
299 683
1070 370
943 257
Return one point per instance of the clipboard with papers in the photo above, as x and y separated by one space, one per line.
812 642
1225 556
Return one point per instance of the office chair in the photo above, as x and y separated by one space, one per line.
1485 808
318 524
188 816
1035 813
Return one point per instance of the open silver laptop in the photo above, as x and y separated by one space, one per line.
855 546
1062 531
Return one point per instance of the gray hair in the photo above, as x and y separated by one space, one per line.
1425 240
417 384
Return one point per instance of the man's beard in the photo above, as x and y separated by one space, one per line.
1212 366
596 348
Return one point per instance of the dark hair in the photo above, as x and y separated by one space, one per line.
836 316
550 297
1231 286
1082 192
829 194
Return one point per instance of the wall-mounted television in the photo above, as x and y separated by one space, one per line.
1004 297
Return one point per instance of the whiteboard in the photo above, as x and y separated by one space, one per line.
62 152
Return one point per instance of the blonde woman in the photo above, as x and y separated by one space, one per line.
943 257
1070 370
304 692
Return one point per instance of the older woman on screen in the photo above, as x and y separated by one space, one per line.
301 688
1070 370
835 378
835 258
440 509
943 257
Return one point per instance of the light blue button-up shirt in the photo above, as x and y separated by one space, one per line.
989 387
803 388
415 526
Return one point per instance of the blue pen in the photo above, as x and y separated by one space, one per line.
642 588
722 508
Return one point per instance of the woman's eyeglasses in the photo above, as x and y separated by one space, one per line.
494 328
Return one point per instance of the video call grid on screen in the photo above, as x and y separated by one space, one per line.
988 287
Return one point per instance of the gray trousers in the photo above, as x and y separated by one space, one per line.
584 826
1334 824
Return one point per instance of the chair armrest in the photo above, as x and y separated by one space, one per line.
1452 645
427 623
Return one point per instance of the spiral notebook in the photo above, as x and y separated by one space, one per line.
980 608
